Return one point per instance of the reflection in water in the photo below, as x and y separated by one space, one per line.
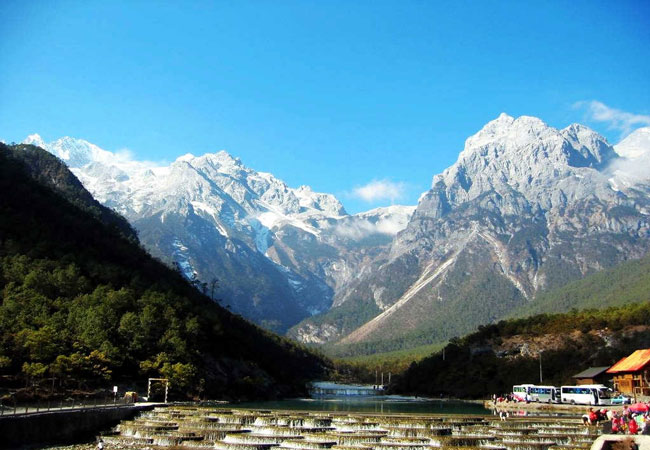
385 405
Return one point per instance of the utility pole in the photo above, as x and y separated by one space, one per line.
540 367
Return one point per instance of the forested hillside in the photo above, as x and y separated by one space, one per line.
83 306
498 356
624 284
48 170
628 282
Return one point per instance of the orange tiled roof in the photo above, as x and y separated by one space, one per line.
636 361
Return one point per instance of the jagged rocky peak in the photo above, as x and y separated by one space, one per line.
75 152
222 159
525 155
507 131
215 164
246 185
326 203
594 150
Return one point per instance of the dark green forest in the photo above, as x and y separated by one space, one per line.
83 306
475 367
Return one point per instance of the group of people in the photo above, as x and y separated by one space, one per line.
503 398
623 422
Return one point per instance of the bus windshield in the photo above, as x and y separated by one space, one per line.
604 393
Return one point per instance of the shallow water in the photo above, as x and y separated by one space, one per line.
359 423
387 405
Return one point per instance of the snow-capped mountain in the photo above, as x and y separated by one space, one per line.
277 252
525 208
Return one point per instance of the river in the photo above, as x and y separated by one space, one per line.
387 405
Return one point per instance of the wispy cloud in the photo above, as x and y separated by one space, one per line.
378 190
616 119
124 155
389 223
127 156
362 228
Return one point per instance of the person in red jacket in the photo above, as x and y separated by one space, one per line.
616 423
633 427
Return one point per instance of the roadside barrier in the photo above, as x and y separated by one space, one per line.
17 409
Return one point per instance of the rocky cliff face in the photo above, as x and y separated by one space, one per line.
525 208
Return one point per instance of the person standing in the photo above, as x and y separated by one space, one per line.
616 423
633 426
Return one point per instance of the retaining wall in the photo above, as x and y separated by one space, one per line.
67 426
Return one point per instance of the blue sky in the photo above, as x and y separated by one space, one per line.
333 94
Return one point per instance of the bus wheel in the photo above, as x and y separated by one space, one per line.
573 402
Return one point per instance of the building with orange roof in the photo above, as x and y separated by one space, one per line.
631 374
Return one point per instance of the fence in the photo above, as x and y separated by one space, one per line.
70 404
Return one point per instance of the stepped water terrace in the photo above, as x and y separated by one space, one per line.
191 427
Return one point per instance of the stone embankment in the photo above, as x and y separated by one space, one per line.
225 429
64 425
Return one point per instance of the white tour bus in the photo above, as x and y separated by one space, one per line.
519 391
587 394
545 394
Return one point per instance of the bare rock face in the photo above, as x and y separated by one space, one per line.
525 208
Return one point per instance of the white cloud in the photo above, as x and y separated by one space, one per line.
387 221
361 228
634 167
378 190
616 119
630 171
124 154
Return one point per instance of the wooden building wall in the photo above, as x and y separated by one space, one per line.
631 383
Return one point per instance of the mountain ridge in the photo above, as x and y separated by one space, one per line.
525 208
271 247
83 304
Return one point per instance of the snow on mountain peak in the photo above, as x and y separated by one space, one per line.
220 162
527 155
222 157
75 152
216 184
506 129
635 144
